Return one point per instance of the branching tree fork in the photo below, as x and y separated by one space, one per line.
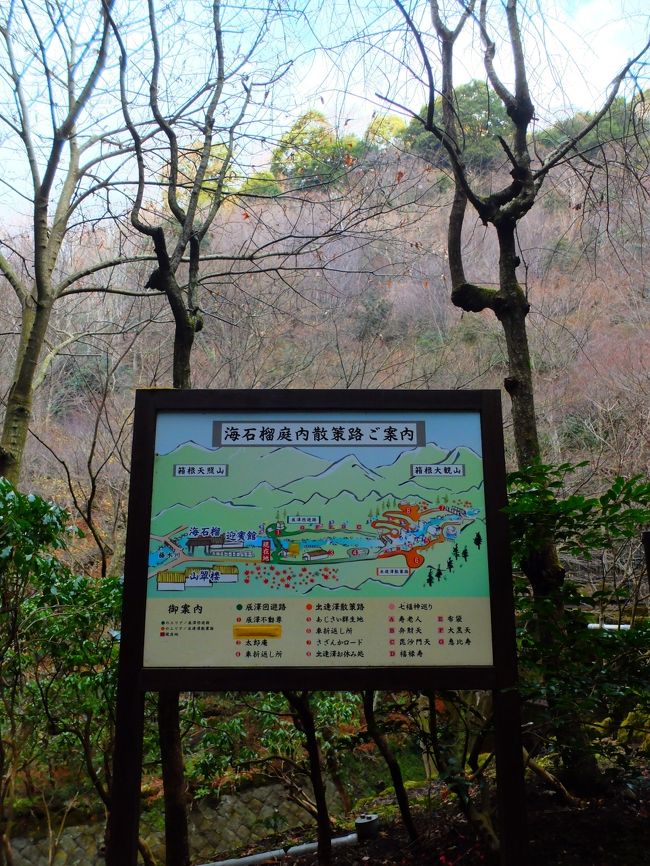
53 57
211 121
177 240
502 209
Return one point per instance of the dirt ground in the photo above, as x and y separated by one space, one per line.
612 830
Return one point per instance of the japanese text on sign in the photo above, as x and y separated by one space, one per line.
196 470
438 469
396 435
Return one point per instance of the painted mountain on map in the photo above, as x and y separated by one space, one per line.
300 481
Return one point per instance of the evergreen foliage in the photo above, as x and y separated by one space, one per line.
482 119
312 154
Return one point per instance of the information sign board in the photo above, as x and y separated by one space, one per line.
348 538
316 540
307 531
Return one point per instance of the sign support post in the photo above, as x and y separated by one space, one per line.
511 790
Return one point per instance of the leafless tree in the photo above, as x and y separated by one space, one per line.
61 126
190 135
186 135
504 205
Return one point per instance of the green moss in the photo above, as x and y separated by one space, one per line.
635 729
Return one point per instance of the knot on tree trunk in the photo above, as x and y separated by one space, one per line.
156 281
473 298
544 570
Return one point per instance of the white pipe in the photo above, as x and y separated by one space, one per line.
609 626
278 853
250 860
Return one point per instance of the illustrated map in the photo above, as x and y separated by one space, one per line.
326 510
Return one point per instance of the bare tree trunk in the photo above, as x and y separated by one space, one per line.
510 305
51 149
481 821
19 402
391 762
542 567
6 857
183 342
512 308
145 852
169 729
299 703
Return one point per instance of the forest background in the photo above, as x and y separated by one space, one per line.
181 211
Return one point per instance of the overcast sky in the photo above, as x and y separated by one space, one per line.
574 49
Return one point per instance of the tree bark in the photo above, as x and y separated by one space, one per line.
511 308
299 703
481 821
542 566
19 402
391 762
169 729
183 342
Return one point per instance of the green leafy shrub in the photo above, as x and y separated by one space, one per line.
58 656
581 525
573 677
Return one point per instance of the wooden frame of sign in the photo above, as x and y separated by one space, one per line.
316 539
